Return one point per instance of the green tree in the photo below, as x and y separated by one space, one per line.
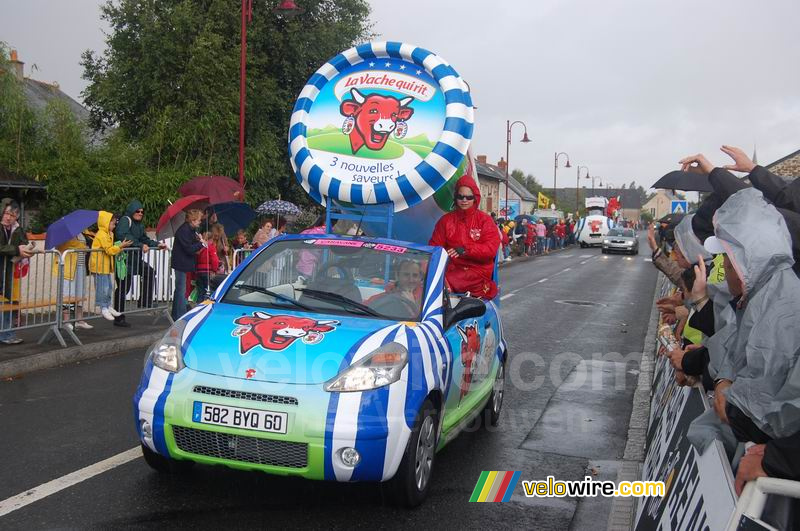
528 181
169 81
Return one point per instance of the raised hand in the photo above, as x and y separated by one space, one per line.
696 164
741 162
699 286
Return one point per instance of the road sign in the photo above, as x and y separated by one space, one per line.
679 206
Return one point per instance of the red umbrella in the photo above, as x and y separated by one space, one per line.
217 188
174 216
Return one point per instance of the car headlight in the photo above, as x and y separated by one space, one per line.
166 352
628 243
381 367
605 241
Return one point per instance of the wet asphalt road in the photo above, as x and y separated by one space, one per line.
57 421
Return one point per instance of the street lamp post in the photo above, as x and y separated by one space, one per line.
555 170
593 178
286 8
578 187
525 139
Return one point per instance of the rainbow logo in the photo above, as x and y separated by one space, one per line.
494 486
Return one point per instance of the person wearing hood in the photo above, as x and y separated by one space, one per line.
471 240
130 227
13 246
758 381
101 264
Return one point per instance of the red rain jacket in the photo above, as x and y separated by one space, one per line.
477 233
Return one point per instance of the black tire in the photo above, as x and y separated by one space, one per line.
603 251
409 486
491 413
164 465
583 245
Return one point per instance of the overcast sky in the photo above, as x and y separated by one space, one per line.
625 87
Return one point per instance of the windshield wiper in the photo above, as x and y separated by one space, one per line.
335 297
278 296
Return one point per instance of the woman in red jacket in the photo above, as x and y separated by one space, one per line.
471 240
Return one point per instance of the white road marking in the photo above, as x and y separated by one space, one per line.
584 262
567 269
648 259
567 255
51 487
586 256
504 297
543 280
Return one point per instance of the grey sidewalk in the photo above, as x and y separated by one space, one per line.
103 340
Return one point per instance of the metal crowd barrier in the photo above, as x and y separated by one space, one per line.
65 296
59 291
30 292
239 256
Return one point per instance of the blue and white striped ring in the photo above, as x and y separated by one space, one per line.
427 176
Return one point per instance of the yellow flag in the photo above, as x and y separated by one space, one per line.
544 201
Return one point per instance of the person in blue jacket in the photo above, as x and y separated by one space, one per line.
186 245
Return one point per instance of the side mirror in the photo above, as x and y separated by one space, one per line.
466 308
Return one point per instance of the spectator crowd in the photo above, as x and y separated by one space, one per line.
730 323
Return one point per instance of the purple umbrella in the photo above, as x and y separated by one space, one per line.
66 228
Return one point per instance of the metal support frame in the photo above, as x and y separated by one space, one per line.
379 213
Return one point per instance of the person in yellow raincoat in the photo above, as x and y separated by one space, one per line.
101 264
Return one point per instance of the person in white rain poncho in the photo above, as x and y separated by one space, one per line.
758 381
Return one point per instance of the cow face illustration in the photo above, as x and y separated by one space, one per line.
277 332
595 225
470 346
375 118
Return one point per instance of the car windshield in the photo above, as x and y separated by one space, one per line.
622 232
335 276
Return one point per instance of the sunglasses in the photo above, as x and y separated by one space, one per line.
140 211
409 275
460 197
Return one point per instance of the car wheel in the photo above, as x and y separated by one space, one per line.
495 403
409 486
164 465
603 251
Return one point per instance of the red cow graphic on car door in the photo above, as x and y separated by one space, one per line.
470 346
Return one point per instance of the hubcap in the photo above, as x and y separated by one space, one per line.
424 456
499 383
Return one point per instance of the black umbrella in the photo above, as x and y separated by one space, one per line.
684 180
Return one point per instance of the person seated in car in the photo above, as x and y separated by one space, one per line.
471 240
408 284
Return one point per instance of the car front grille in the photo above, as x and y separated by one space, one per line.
241 448
242 395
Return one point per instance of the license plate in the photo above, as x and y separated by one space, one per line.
239 417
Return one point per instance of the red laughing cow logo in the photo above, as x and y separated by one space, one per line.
375 118
470 345
276 332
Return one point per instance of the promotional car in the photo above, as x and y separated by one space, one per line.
325 357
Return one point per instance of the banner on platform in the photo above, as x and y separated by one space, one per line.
699 490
